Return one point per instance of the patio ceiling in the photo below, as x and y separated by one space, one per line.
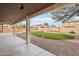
10 13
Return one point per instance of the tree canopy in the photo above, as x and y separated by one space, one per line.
65 14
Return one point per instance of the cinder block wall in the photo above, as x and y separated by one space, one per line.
70 26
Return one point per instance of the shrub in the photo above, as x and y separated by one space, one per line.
72 32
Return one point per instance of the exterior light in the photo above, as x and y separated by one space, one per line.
21 6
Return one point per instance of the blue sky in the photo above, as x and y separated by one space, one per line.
44 18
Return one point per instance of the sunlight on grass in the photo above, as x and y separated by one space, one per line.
53 35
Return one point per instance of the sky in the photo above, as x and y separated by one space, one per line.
44 18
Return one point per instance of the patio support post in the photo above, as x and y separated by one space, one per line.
27 29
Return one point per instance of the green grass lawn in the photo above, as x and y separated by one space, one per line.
53 35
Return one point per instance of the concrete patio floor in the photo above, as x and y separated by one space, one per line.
14 46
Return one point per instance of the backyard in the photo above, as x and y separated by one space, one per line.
59 44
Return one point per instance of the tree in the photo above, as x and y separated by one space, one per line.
17 26
46 24
23 26
53 26
66 14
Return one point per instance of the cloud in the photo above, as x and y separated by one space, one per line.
37 21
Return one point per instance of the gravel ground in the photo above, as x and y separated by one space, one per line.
57 47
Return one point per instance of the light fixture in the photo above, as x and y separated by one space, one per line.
21 6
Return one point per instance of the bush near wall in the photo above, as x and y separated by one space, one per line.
72 32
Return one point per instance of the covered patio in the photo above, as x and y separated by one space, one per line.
10 44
